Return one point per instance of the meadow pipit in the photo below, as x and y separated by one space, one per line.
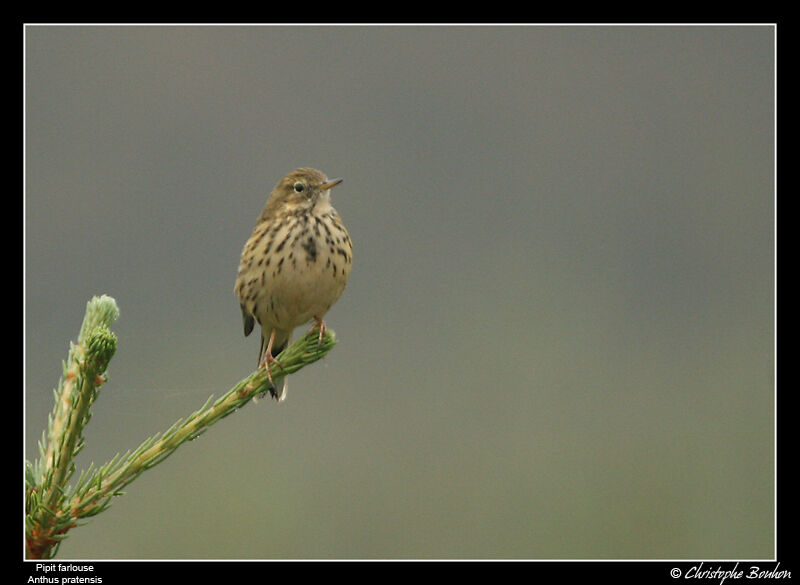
295 265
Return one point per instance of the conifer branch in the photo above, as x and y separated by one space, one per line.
53 507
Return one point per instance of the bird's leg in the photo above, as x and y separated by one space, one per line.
321 324
267 359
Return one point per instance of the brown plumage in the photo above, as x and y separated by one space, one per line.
295 265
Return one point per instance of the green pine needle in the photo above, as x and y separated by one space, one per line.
52 507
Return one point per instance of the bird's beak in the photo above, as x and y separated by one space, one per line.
330 184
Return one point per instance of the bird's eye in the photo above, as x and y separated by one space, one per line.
299 187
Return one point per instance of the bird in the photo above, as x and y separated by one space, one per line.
294 266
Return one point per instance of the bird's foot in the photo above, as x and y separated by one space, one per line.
322 329
266 363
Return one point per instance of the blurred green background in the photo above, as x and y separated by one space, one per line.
558 337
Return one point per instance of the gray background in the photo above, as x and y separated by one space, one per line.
557 340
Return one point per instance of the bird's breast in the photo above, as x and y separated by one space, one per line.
298 268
